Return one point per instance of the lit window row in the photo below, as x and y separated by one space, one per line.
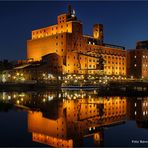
145 56
93 43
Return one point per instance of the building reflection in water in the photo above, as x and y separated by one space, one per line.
64 119
76 115
138 110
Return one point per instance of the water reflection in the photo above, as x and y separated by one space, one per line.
66 118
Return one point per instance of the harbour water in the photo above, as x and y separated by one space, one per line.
72 118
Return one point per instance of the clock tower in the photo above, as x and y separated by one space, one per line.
98 32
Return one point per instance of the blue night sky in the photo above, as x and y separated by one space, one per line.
124 22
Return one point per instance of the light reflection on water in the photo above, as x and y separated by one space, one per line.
77 118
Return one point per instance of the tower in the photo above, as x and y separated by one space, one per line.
98 32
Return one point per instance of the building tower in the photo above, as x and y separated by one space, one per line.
98 32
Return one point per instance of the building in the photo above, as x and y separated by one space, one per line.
138 61
79 54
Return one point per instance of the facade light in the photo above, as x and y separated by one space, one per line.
18 102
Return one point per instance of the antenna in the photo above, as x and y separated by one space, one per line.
69 10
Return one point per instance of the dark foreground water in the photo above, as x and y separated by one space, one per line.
72 118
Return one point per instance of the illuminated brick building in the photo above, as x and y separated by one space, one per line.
79 54
138 61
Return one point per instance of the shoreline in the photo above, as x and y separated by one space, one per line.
102 90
